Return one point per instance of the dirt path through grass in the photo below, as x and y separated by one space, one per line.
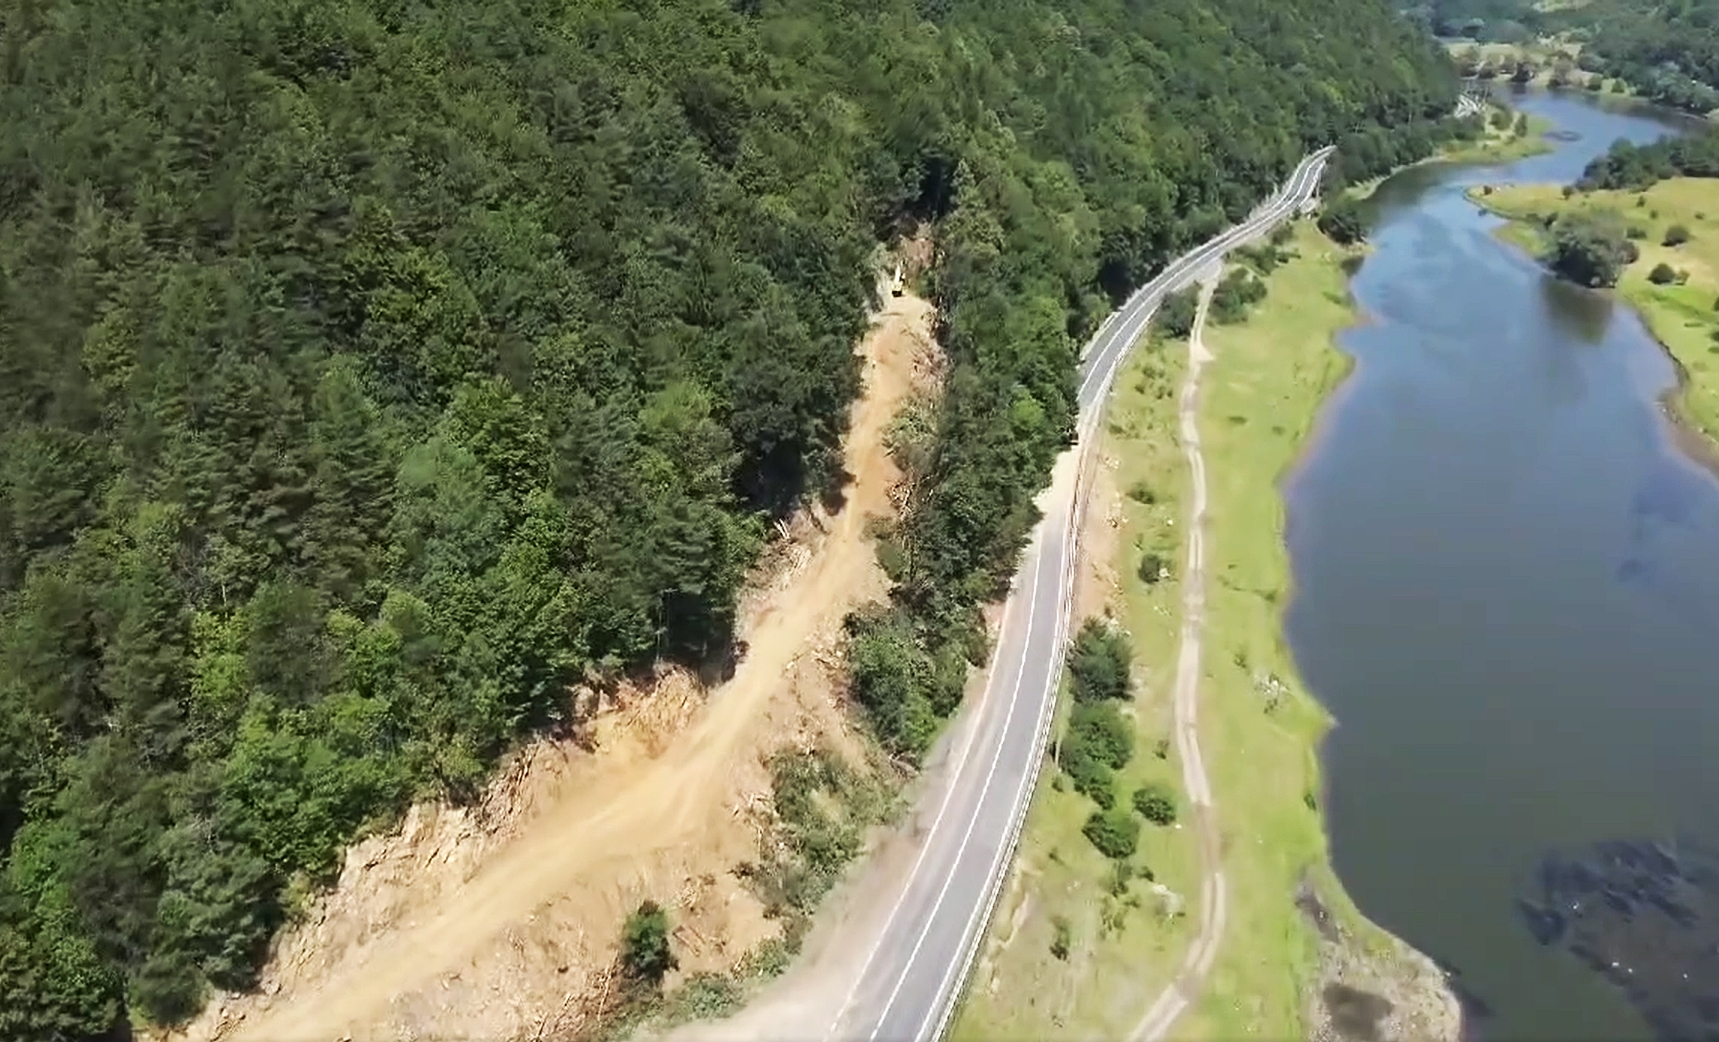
1176 997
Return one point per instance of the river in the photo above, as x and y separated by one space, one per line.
1506 587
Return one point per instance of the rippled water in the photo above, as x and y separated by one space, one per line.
1507 589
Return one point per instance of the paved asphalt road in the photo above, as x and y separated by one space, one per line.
916 967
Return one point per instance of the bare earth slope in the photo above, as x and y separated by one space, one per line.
498 922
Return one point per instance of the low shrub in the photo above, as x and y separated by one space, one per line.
1099 662
1154 566
1115 832
1155 803
1239 290
1062 936
1090 776
1098 728
645 954
1175 318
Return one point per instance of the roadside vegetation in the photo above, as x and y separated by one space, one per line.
1098 896
1069 967
1236 292
1175 318
1343 220
1672 226
821 808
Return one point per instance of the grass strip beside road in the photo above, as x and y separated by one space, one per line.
1682 317
1259 731
1060 884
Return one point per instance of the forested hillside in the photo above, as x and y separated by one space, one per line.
1668 50
1489 21
371 370
1641 166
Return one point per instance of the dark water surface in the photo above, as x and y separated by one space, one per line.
1507 589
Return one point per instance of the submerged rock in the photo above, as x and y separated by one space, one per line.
1644 915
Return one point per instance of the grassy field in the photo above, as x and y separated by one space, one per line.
1020 989
1501 146
1259 400
1259 731
1496 146
1681 316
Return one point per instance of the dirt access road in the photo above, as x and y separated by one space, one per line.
908 975
1176 997
678 812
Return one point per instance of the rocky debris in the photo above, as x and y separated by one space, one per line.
1645 916
1391 993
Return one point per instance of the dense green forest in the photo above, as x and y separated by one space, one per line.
1627 165
1489 21
372 370
1667 51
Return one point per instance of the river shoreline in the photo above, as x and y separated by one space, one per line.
1297 958
1502 557
1693 425
1366 981
1275 959
1353 948
1491 148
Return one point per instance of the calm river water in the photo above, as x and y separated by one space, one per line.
1507 588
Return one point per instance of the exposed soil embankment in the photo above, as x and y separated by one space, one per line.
502 920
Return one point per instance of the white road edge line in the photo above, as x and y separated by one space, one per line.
1046 712
1029 780
1274 210
972 822
948 798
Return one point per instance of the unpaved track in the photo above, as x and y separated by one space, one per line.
679 798
1176 997
901 967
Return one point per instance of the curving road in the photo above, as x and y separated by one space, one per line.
916 966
